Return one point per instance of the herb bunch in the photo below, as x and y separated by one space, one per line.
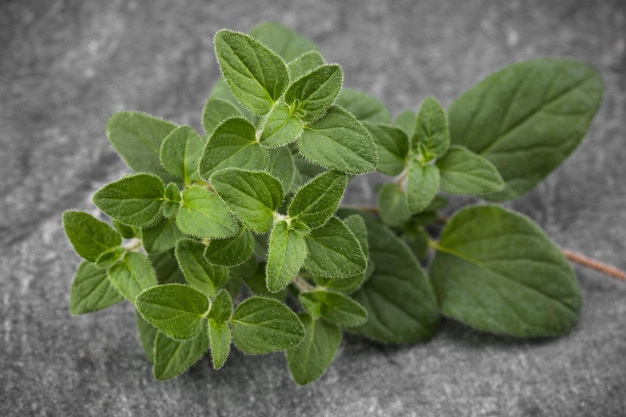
236 236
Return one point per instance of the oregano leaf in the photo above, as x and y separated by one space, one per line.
110 257
134 199
431 128
161 237
252 195
204 214
287 251
527 118
180 153
263 325
132 275
339 141
363 106
176 310
421 186
309 360
464 172
282 167
280 127
147 336
233 144
393 208
173 357
137 137
89 236
334 307
254 73
199 273
317 200
91 290
304 64
406 120
215 111
314 93
392 145
232 251
220 339
333 251
166 267
256 284
497 271
284 41
221 307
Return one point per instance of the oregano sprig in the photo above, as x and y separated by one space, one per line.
236 235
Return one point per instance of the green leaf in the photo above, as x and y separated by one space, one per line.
221 307
231 252
392 205
233 144
333 251
89 236
221 91
137 137
497 271
315 92
464 172
252 195
339 141
180 153
421 186
334 307
132 275
282 166
309 360
316 201
263 325
203 214
357 226
254 73
363 106
199 273
287 251
127 232
219 338
147 336
256 284
400 303
134 199
176 310
91 290
406 120
281 126
215 111
305 170
170 206
161 237
304 64
392 145
431 128
110 257
527 118
173 357
166 267
284 41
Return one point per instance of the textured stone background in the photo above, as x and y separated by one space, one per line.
65 66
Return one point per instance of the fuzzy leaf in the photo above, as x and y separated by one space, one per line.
173 357
464 172
89 236
219 338
315 92
282 167
181 152
310 359
333 251
392 205
91 290
497 271
199 273
137 137
132 275
263 325
147 336
134 199
339 141
161 237
287 251
421 186
233 144
252 195
334 307
527 118
203 214
166 268
431 128
304 64
406 120
215 111
316 201
176 310
392 145
254 73
363 106
400 303
281 126
284 41
231 252
221 307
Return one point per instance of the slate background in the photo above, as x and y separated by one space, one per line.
65 66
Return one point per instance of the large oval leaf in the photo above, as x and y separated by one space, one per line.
527 118
497 271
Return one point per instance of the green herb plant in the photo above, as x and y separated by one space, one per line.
235 235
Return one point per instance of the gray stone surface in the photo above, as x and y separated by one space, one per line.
65 66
